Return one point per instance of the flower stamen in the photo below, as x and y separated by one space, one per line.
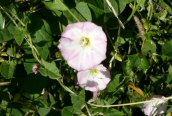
85 42
94 71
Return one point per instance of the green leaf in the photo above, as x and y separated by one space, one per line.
74 16
67 111
141 3
114 83
16 112
166 6
4 103
43 111
18 36
128 69
97 3
155 79
52 100
115 112
40 30
148 47
1 21
82 7
169 76
112 99
144 65
17 33
56 6
170 70
78 101
167 49
50 70
137 62
28 65
43 34
7 69
10 51
42 50
97 10
5 34
169 110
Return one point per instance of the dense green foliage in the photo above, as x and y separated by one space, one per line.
139 56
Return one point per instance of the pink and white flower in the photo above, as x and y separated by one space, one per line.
35 68
83 45
156 107
94 79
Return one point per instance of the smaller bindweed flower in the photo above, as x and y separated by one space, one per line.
35 68
83 45
157 107
94 79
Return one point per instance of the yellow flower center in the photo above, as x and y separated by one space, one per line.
85 41
154 100
94 71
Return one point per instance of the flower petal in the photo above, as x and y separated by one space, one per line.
156 107
98 34
73 31
94 81
66 49
82 57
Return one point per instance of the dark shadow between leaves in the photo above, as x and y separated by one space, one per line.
35 24
33 83
53 21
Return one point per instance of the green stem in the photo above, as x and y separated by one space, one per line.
134 9
6 11
114 12
9 16
16 17
89 114
150 10
128 104
73 15
65 87
34 50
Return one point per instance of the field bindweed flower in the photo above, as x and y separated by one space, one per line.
83 45
94 79
156 107
35 68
